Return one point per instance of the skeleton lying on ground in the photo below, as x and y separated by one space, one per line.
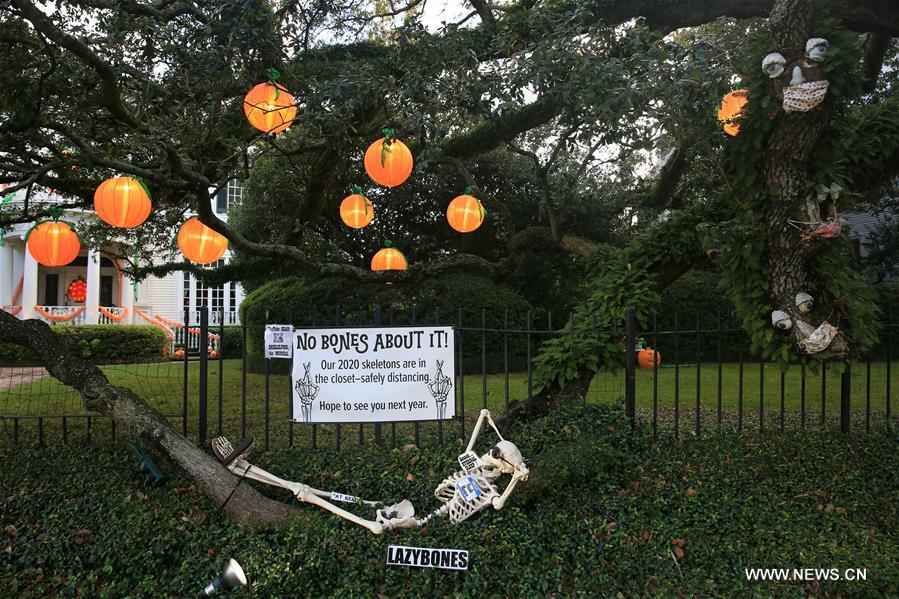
463 493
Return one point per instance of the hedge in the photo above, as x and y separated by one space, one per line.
295 300
99 343
607 512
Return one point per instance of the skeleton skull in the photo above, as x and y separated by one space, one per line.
816 48
773 64
804 302
781 320
505 457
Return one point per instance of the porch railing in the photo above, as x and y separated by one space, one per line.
60 314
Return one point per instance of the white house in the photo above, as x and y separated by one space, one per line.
31 290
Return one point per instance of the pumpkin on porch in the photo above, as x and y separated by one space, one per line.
179 354
388 161
77 290
53 243
648 358
122 202
199 243
731 109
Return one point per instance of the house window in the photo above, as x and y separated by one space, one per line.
51 290
202 296
186 294
233 296
228 196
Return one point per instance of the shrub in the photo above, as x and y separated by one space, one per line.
232 342
100 343
607 511
302 301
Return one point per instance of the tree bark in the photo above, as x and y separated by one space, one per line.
240 501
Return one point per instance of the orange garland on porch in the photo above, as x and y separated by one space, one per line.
14 310
180 325
112 316
59 317
155 323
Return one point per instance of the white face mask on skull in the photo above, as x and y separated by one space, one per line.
781 320
773 65
816 48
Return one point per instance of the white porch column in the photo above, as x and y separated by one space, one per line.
6 281
127 299
29 286
18 268
226 300
91 313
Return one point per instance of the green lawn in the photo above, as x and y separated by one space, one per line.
605 513
161 384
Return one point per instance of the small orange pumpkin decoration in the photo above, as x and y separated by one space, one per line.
388 161
731 109
388 258
53 243
77 290
122 202
199 243
179 354
648 358
268 106
355 210
465 213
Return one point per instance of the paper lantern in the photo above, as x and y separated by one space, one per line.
388 161
53 243
388 258
77 290
730 110
122 202
647 358
465 213
355 210
269 107
199 243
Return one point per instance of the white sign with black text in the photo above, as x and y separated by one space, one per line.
278 341
373 374
423 557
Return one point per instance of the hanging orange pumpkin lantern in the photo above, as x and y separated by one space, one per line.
268 106
388 258
77 290
53 243
465 213
731 110
355 210
199 243
122 202
648 358
388 161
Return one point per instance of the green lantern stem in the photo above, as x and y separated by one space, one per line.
388 140
55 212
273 77
387 243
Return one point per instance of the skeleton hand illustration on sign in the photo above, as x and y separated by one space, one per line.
463 493
440 388
307 391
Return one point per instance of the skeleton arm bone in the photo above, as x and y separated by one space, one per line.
500 500
485 413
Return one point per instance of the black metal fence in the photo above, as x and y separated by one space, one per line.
706 381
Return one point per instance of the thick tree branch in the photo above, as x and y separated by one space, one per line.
126 408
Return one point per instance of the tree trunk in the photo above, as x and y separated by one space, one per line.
133 413
787 162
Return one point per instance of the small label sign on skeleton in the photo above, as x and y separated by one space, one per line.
468 488
470 461
335 496
423 557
